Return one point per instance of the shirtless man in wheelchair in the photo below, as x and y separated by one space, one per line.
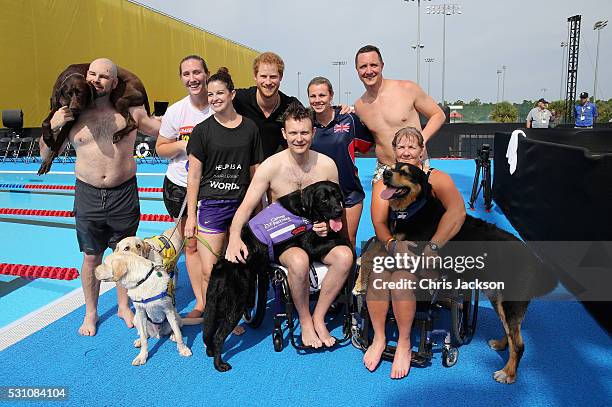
285 172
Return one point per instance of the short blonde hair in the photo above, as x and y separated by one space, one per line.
409 133
269 58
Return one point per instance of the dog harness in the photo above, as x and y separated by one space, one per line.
275 224
169 292
414 207
167 252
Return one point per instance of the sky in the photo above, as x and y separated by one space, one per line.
523 35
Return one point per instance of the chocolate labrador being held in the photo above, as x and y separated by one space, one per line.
72 90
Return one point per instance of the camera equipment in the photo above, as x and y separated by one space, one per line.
483 162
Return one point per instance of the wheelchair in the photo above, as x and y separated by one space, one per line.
463 307
283 303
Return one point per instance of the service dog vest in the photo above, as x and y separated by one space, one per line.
168 253
275 225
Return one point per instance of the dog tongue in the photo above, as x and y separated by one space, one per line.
387 193
335 224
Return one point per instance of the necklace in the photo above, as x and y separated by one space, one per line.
299 180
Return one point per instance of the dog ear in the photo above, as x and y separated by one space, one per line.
307 200
119 267
146 249
92 93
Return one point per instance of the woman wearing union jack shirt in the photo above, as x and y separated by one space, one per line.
338 136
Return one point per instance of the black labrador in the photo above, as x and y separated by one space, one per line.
232 286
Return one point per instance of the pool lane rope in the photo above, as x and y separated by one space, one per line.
66 187
29 271
145 217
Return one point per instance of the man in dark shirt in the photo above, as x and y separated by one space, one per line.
264 103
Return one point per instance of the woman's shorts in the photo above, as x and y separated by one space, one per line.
215 215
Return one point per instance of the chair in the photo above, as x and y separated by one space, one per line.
462 325
12 119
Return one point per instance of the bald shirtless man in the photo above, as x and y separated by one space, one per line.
106 202
389 105
290 170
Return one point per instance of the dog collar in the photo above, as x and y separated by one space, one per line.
145 277
157 297
409 211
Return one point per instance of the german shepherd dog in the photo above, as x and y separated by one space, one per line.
72 90
509 260
232 286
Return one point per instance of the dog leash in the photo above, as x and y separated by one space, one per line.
206 244
184 241
180 217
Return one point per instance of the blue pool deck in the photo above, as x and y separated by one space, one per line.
568 358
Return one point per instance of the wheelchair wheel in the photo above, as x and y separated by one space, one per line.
346 327
463 318
254 316
450 357
277 340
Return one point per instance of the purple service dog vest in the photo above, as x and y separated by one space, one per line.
275 224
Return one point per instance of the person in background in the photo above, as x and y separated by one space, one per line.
539 117
585 113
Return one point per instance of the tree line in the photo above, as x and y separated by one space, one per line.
507 112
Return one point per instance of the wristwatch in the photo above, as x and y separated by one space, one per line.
434 247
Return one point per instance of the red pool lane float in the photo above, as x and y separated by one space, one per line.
71 187
145 217
28 271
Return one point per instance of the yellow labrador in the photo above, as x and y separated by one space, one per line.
151 289
161 249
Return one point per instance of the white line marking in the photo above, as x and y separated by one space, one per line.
44 316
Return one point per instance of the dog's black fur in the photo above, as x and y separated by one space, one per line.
512 262
72 90
232 286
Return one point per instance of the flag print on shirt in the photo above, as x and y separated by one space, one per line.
339 128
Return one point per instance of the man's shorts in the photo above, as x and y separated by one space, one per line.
378 171
215 215
174 195
104 216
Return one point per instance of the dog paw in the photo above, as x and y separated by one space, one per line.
137 343
502 377
140 360
209 352
497 344
223 367
184 351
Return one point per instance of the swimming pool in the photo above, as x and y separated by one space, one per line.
50 241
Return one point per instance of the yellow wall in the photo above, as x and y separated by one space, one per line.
39 38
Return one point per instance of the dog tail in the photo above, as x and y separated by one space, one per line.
192 321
